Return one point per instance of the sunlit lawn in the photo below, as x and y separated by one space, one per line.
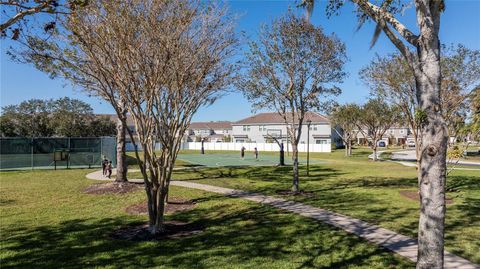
364 189
48 222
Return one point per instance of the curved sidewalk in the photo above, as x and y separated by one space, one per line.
412 162
400 244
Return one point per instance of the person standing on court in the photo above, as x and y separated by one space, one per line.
109 168
256 153
242 152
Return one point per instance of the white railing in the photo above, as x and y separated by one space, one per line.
252 146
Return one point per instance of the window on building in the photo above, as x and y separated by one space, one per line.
321 141
401 131
246 128
392 131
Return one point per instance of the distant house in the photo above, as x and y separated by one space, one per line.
212 131
395 135
261 127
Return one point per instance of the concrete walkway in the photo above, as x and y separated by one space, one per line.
400 244
412 162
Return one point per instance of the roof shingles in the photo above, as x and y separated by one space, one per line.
275 118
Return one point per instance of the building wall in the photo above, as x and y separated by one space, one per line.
252 146
256 133
397 134
224 132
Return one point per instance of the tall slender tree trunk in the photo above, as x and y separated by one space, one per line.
432 169
282 155
295 187
374 148
349 147
159 225
346 150
121 153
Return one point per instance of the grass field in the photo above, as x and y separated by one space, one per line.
48 222
364 189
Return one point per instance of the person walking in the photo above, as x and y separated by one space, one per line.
104 165
109 169
242 152
256 154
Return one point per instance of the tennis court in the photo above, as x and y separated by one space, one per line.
55 152
233 159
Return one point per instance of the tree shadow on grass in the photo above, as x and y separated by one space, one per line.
245 237
278 174
461 183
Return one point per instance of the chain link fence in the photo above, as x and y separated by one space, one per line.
53 153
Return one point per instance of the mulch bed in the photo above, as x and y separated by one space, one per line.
174 205
413 195
299 193
113 188
173 230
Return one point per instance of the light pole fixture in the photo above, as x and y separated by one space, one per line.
309 122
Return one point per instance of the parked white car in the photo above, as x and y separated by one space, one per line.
411 143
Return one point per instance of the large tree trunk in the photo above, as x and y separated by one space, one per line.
432 169
121 154
295 187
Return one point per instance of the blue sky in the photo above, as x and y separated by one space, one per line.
460 24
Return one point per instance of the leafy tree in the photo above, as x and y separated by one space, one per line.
391 79
30 118
61 55
70 117
422 54
460 75
289 69
346 118
46 118
7 126
374 118
160 61
472 129
102 126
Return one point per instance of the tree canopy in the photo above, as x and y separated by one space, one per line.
63 117
292 69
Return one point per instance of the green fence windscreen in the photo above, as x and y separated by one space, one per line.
38 153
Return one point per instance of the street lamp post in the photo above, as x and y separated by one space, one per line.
309 122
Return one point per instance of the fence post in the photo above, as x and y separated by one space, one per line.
101 149
31 153
68 156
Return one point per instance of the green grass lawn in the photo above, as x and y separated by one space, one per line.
48 222
367 190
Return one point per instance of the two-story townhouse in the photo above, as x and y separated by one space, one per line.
395 135
261 127
210 131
